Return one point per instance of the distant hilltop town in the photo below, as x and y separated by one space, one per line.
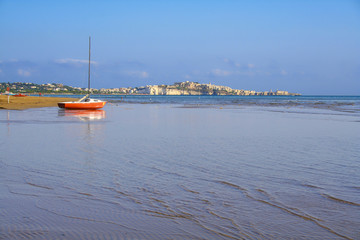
178 88
194 88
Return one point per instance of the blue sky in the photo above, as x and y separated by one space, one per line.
306 46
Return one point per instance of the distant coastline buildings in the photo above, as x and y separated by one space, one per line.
194 88
178 88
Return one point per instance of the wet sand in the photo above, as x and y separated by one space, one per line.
20 103
157 171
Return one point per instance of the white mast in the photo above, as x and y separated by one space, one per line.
89 67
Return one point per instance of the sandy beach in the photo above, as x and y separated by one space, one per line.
20 103
160 171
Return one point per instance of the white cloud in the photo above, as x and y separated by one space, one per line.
232 63
23 72
74 61
220 72
283 72
144 74
139 74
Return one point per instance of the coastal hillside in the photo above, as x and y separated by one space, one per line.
194 88
178 88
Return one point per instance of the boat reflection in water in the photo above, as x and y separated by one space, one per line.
84 115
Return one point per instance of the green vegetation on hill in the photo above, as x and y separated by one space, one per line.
32 88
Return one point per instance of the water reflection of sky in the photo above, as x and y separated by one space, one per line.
190 169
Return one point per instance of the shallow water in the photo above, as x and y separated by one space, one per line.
349 105
174 171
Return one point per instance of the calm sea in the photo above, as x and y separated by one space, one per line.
183 167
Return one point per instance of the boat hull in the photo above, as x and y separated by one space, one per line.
82 105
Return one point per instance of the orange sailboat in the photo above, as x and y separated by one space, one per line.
86 102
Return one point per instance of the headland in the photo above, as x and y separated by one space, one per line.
178 88
194 88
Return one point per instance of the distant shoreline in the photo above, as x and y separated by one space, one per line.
177 89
